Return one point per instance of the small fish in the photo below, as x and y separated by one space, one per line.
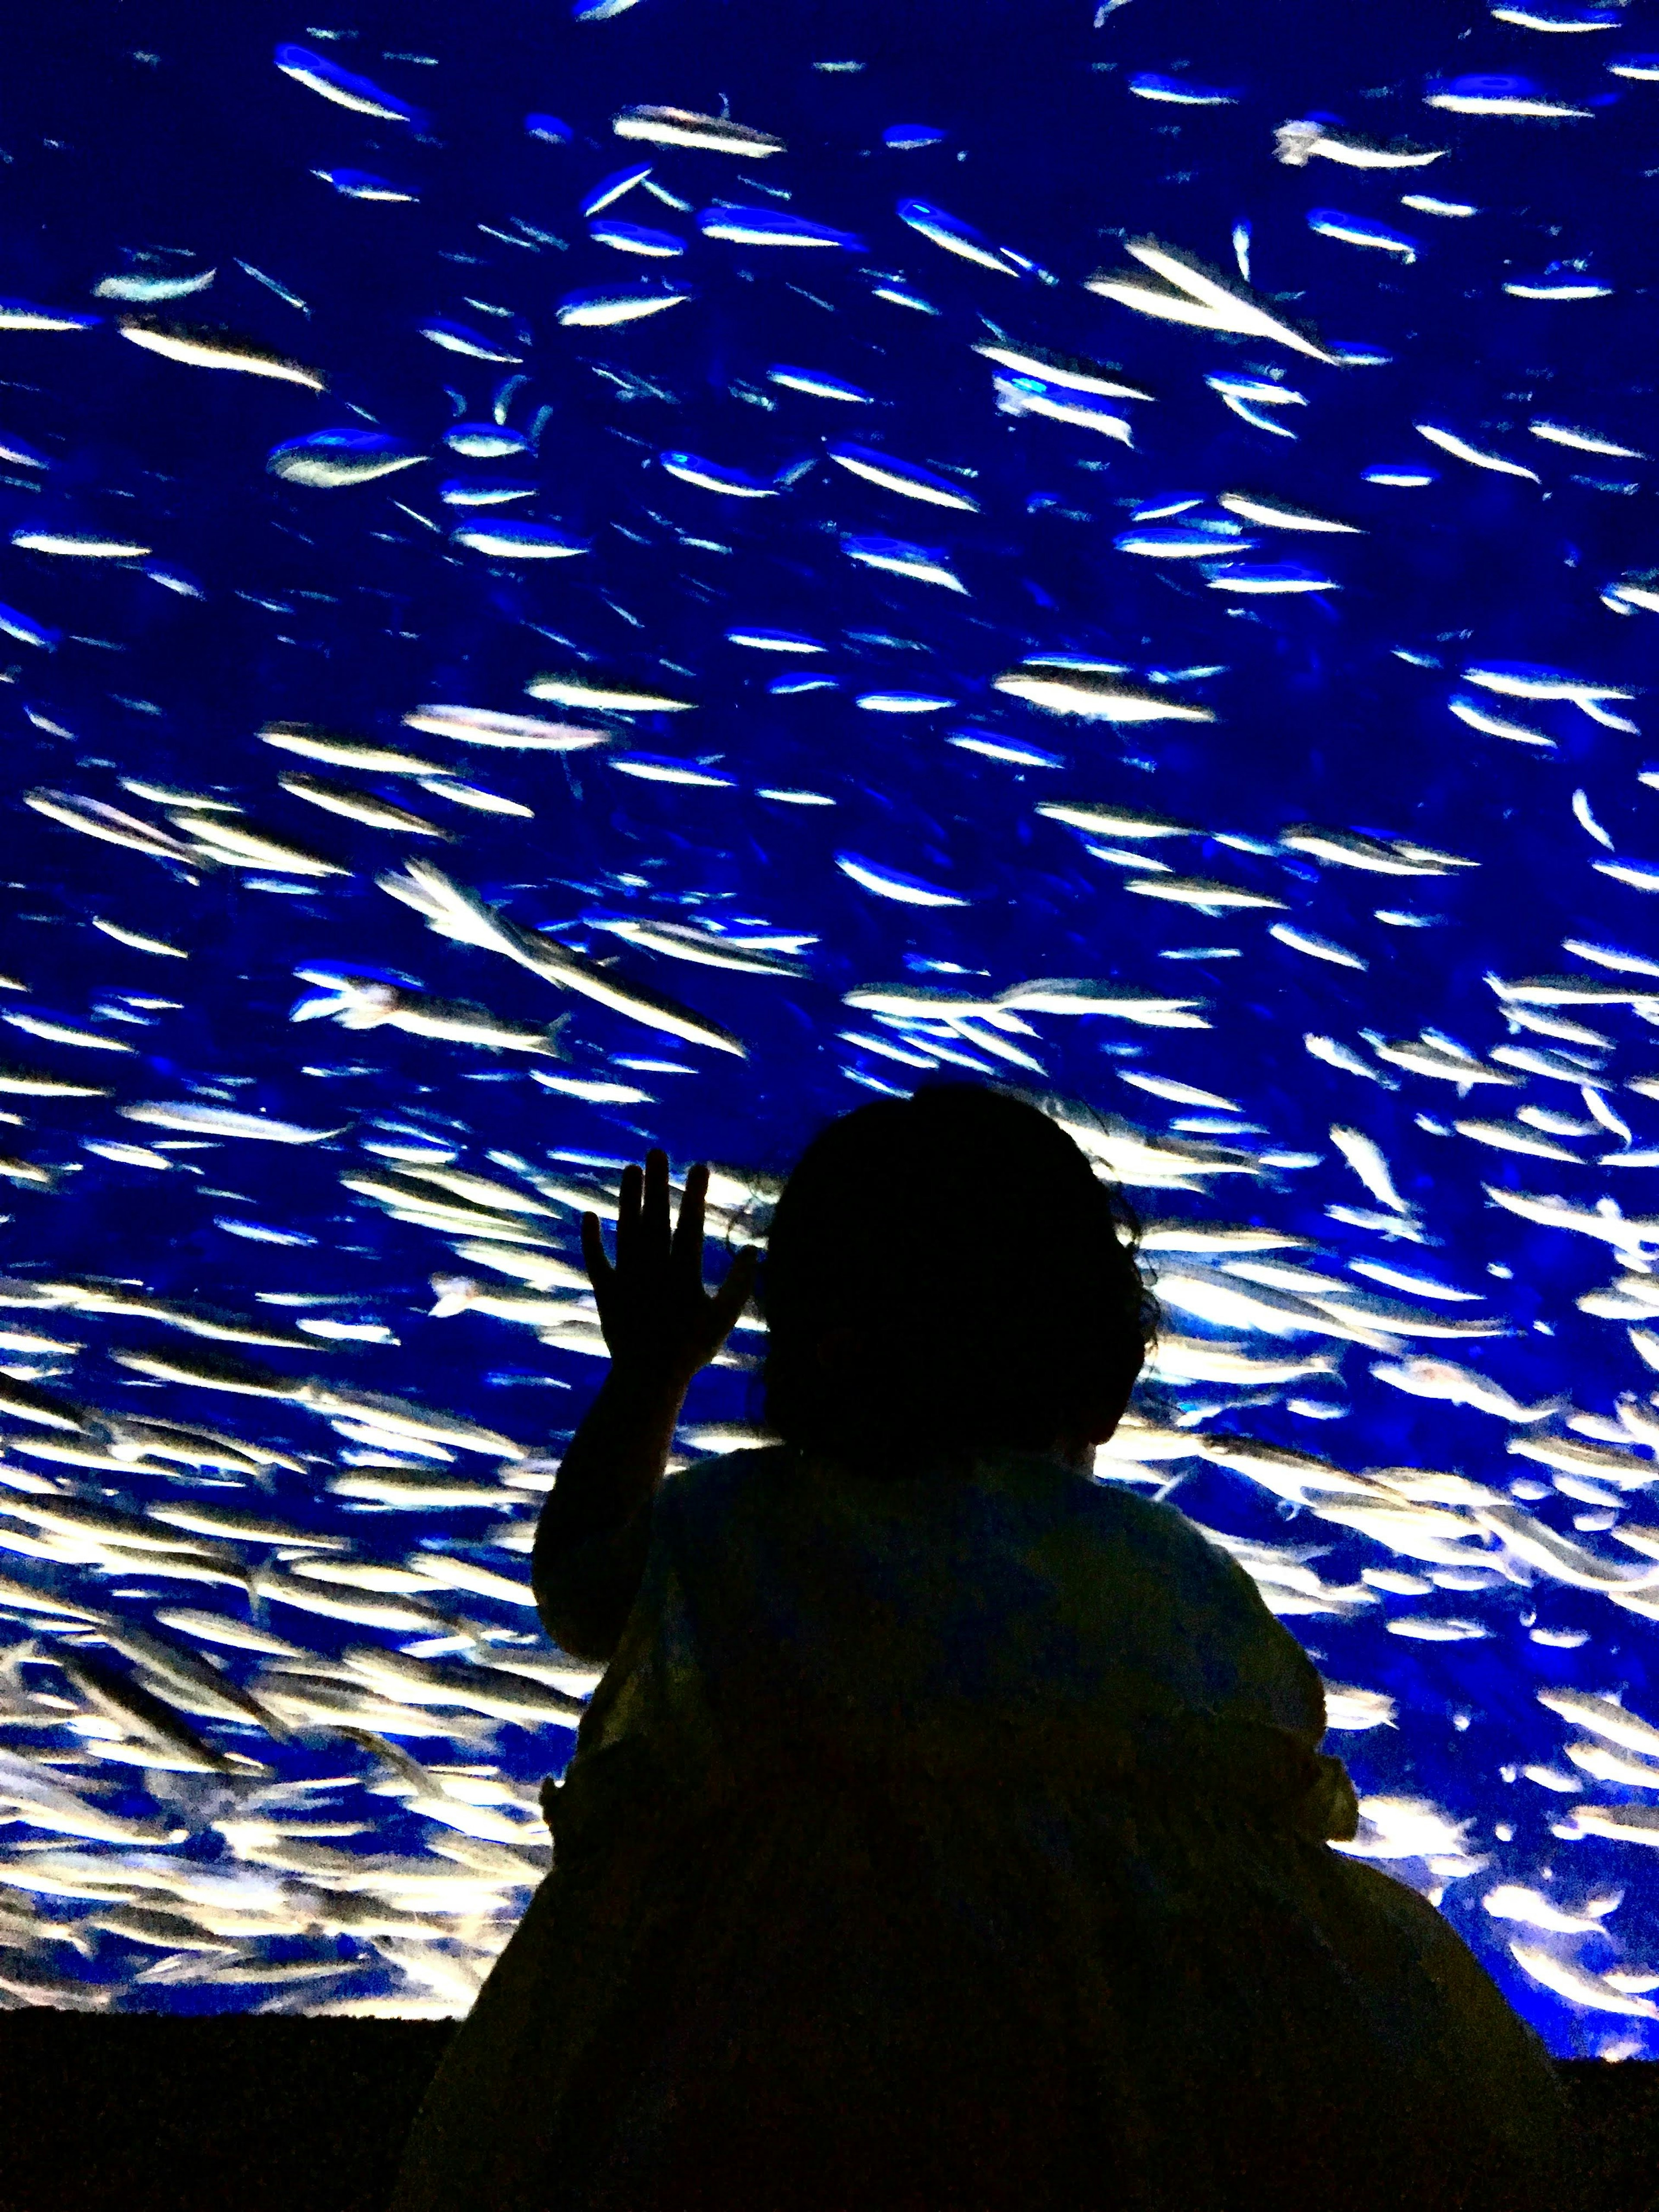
126 1156
357 806
1063 371
1497 726
1408 1280
658 768
483 491
609 189
234 1635
1096 697
25 315
955 236
324 459
319 74
1527 19
925 564
1114 821
93 818
288 298
475 796
1262 579
520 541
1296 144
1347 848
1538 1546
1004 749
1272 514
78 545
1478 457
775 640
1179 92
344 752
1179 1094
138 286
456 913
356 1005
234 847
604 698
1500 96
1356 230
1557 287
363 185
484 441
199 1118
711 475
460 338
131 1707
1514 679
1442 1379
64 1032
891 883
602 310
201 348
764 227
26 631
817 384
1319 948
1207 895
908 479
23 1083
679 126
483 726
1366 1160
1201 542
637 238
1189 293
1025 395
683 941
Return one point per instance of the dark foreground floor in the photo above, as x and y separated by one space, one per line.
254 2115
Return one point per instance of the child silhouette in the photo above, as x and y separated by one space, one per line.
948 1832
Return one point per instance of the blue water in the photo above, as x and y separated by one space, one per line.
165 145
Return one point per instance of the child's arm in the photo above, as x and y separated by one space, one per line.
661 1327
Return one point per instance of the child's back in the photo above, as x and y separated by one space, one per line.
950 1832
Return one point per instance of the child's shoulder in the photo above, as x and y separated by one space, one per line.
721 1481
1113 1516
1029 1486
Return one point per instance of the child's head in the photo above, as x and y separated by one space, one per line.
948 1267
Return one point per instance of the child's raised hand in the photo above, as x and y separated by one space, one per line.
656 1316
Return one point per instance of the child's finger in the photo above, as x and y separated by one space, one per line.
655 1217
599 1269
687 1233
628 1216
733 1293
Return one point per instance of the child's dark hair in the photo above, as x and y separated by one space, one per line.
989 1275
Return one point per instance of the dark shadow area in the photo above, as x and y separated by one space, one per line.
154 2115
138 2114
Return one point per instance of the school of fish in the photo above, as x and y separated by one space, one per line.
525 636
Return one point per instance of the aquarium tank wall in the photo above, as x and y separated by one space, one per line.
578 578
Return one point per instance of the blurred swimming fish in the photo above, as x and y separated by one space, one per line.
324 459
203 348
320 74
680 126
1296 144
